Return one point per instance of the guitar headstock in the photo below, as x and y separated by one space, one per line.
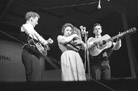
131 30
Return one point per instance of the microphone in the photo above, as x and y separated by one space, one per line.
83 30
81 27
99 4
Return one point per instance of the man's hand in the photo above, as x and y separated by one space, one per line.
50 41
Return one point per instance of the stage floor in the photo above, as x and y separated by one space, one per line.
91 85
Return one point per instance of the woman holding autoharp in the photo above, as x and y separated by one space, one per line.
72 67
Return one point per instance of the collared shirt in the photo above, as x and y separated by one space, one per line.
31 32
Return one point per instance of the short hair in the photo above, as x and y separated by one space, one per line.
66 25
97 24
31 14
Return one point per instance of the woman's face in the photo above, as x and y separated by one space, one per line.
68 31
97 30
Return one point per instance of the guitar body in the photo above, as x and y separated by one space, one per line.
39 47
96 48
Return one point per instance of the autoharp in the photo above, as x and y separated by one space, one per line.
73 45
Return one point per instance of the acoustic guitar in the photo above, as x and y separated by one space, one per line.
100 44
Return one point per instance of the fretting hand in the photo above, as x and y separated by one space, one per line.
50 41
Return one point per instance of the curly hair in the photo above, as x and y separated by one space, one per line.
66 25
31 14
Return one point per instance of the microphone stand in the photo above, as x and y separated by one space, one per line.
86 52
87 55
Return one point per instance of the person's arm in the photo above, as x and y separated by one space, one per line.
41 39
117 44
29 30
80 43
64 40
83 45
90 43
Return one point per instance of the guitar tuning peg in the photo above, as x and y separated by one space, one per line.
135 28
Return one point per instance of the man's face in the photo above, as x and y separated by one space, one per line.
67 31
35 21
97 29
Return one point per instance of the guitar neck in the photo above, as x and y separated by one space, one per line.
111 39
122 34
117 36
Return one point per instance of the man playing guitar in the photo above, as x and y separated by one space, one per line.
33 51
97 47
